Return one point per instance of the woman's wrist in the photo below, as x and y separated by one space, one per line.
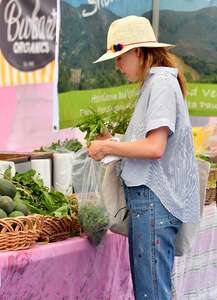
107 147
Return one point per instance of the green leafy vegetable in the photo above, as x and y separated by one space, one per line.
93 124
37 197
94 221
67 145
113 121
118 120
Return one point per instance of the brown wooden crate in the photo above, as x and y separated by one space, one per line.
24 156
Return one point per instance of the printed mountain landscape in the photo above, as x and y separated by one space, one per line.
83 40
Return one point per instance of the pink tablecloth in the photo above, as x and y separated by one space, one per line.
195 275
74 270
69 270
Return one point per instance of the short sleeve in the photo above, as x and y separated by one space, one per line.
161 109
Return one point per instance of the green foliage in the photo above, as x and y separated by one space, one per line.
93 124
67 145
37 197
118 120
71 145
94 221
114 121
206 70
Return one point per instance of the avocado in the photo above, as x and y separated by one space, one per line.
7 188
22 207
15 214
7 204
2 214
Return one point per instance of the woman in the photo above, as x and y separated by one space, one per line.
158 164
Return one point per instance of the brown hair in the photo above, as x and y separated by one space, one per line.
163 58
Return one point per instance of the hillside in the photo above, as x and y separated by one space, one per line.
195 34
190 73
83 40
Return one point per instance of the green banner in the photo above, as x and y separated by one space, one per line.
202 99
73 105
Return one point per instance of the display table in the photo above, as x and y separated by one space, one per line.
195 275
74 270
69 270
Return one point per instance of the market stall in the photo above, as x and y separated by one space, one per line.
195 274
73 269
38 211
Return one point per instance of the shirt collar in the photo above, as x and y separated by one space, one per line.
161 70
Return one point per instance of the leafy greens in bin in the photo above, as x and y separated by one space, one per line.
62 146
37 197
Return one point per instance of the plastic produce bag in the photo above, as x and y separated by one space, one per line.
87 177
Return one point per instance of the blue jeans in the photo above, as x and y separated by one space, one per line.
152 234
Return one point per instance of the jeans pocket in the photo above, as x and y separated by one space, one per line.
173 220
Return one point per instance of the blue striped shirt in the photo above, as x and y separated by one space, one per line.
173 177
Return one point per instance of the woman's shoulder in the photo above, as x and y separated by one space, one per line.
163 74
161 78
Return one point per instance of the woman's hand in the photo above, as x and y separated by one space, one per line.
96 150
152 147
102 137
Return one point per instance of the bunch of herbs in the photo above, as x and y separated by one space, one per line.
94 221
93 124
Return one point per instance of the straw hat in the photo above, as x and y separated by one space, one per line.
127 33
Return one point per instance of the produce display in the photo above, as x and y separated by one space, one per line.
10 206
37 197
72 145
26 193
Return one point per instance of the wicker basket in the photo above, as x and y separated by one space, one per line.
57 229
211 195
20 232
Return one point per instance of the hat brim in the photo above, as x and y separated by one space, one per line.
110 55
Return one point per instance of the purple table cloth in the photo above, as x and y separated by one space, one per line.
69 270
75 270
195 275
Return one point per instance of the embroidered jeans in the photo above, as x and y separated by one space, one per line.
152 234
